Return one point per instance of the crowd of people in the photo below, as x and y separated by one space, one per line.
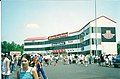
31 65
101 60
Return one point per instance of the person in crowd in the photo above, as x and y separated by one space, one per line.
92 59
26 72
98 60
69 59
86 60
102 60
89 59
81 58
51 60
39 67
56 60
19 61
35 63
76 58
65 60
2 66
13 63
6 65
35 60
110 59
106 60
46 59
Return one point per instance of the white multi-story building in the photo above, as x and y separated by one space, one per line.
96 37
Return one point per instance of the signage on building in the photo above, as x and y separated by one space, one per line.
58 43
108 34
59 51
58 36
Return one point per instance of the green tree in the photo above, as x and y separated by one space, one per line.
118 48
4 46
7 47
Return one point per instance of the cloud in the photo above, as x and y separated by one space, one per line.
32 26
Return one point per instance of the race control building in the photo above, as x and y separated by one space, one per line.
96 37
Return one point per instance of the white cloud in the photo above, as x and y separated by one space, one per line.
32 26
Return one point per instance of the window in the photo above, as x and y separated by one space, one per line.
94 41
98 30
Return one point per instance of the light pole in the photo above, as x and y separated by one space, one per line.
95 29
78 44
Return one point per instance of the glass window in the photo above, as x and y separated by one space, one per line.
94 41
98 30
87 31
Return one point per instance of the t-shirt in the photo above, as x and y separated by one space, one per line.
40 59
6 60
2 67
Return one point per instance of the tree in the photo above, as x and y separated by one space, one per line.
6 47
118 48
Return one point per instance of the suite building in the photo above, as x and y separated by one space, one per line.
96 37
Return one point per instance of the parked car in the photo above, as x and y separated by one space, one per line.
116 61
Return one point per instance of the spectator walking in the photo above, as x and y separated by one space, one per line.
39 67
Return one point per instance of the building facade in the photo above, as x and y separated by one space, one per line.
96 37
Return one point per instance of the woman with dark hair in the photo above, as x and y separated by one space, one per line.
26 72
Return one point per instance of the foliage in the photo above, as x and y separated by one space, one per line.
7 47
118 48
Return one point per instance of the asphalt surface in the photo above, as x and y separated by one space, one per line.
73 71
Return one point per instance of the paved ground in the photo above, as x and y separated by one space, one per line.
74 71
82 72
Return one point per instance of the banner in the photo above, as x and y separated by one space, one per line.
108 34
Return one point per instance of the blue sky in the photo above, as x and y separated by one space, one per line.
30 18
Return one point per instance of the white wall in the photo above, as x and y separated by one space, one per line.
93 35
34 52
38 46
93 47
109 47
103 22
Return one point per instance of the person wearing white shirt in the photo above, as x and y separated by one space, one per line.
6 64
